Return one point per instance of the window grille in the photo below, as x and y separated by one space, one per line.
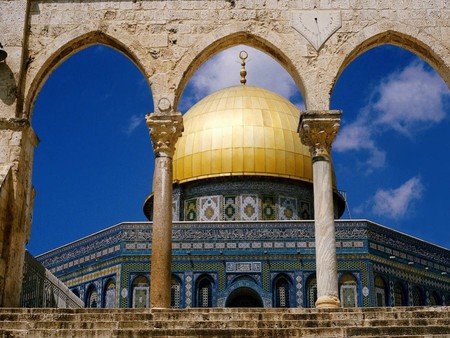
175 296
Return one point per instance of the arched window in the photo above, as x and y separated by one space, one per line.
418 297
348 290
175 293
204 291
311 289
399 295
92 297
141 294
435 299
380 291
110 294
281 292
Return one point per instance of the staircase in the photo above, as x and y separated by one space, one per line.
225 322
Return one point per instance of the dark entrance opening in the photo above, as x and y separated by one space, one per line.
244 297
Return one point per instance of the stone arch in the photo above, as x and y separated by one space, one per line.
140 292
381 291
109 293
64 47
175 292
281 291
348 289
244 296
400 294
204 291
232 35
404 36
311 290
247 278
435 299
92 298
418 296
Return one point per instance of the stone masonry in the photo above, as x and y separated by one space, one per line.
168 40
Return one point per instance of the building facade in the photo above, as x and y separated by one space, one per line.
254 263
243 234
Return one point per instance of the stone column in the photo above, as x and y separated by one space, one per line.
164 131
317 130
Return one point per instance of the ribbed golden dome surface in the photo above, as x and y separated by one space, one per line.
241 130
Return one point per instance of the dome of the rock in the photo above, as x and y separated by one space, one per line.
240 158
241 130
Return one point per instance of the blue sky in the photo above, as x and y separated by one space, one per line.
94 165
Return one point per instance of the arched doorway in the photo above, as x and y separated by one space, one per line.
244 297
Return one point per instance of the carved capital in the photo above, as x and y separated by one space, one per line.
164 132
317 130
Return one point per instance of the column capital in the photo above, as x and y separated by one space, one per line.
164 131
317 130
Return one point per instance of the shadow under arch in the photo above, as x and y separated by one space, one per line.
244 297
424 46
70 48
210 46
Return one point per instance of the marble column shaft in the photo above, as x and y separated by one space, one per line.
164 131
317 130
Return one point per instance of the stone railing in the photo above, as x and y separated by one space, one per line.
40 288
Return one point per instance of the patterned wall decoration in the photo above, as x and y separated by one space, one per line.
209 209
243 267
176 210
283 246
268 208
249 207
129 272
299 288
190 210
188 281
288 208
230 208
305 210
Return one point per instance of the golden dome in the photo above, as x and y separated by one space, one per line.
241 130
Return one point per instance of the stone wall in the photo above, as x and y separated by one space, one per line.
168 40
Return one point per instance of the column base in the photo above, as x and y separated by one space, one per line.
327 302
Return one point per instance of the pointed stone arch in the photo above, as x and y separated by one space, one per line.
413 39
58 51
225 37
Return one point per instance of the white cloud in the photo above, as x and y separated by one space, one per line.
133 122
410 98
407 101
222 71
358 136
394 203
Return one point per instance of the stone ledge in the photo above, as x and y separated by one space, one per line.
226 322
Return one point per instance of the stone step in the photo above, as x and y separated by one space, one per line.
213 314
264 324
220 333
382 322
416 332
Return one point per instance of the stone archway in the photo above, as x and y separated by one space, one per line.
244 297
163 38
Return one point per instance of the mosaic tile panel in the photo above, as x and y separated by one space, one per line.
176 210
209 208
288 208
305 210
249 207
230 208
190 210
299 290
189 290
268 208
